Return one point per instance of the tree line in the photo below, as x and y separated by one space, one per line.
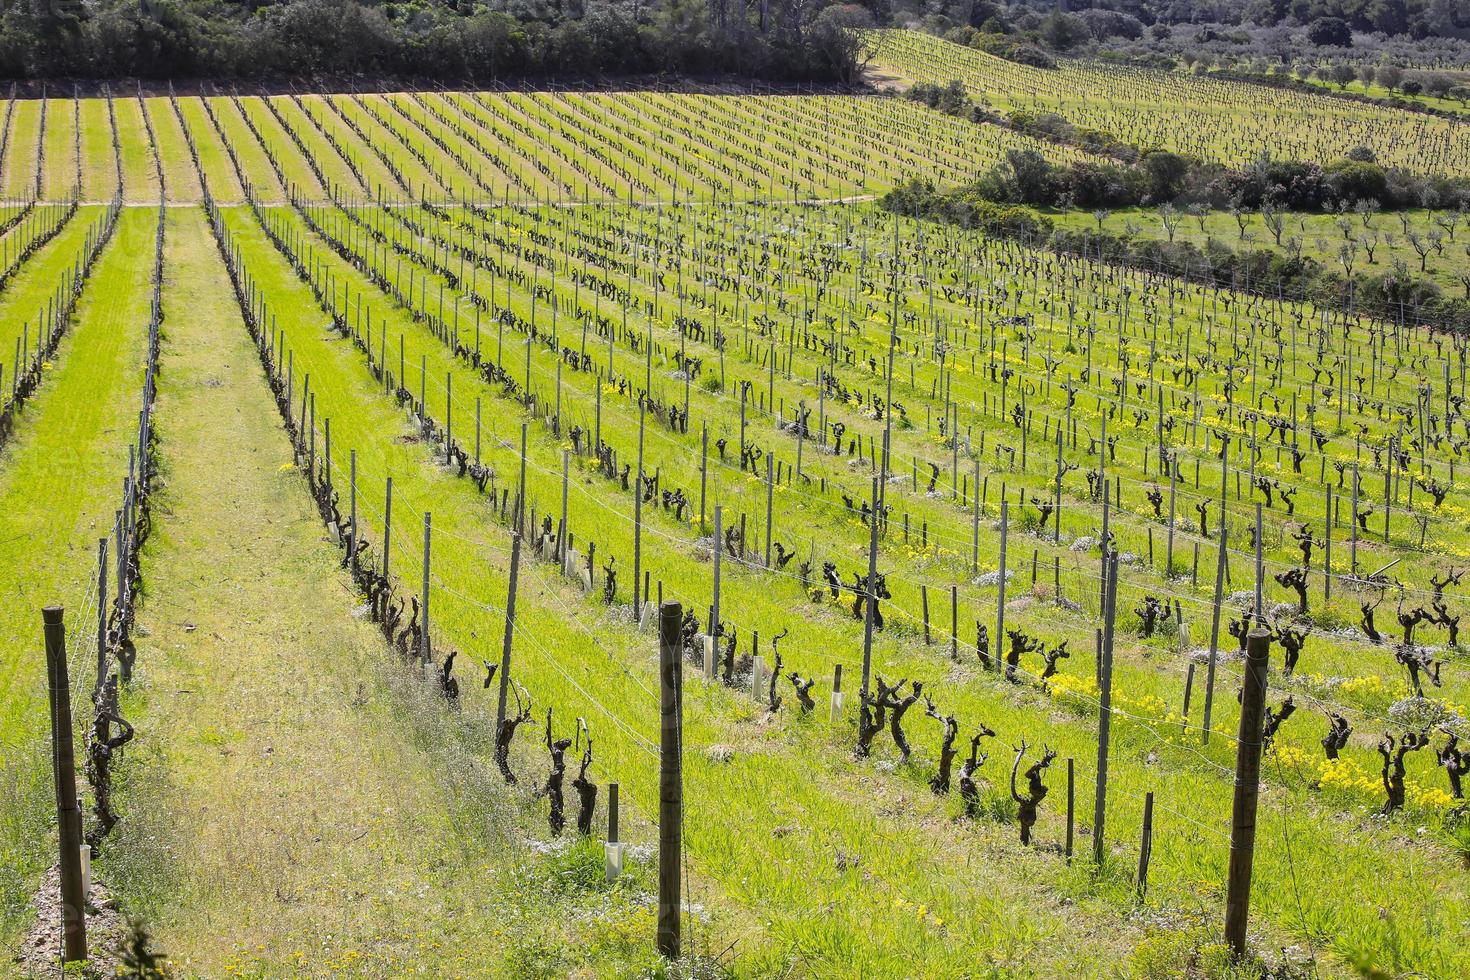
781 40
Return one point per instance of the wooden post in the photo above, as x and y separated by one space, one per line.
1105 710
1145 843
510 626
613 851
869 587
975 525
1102 596
1056 523
1000 600
1169 548
424 602
770 491
1071 807
352 497
836 693
954 622
638 518
670 778
719 547
1247 788
1260 567
1353 525
101 616
1215 632
521 485
612 813
387 524
1327 556
703 472
68 811
561 529
1188 690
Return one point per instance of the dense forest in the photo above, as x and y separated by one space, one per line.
1406 32
775 39
772 39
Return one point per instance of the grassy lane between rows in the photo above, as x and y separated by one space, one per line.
296 804
60 481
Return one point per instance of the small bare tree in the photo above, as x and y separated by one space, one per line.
1274 221
1169 217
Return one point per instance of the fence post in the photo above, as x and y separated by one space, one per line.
1000 602
1071 807
975 525
352 496
1247 788
387 525
510 628
869 588
836 693
1215 632
638 521
1105 708
770 490
101 616
561 528
68 811
1327 558
670 778
1146 843
613 851
424 631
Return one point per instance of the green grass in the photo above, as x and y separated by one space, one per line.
298 804
60 483
24 301
754 605
20 154
1140 698
801 859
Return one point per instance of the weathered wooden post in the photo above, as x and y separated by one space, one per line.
68 810
836 693
869 588
1327 553
1247 789
1105 710
101 616
387 525
510 627
424 653
975 525
770 491
1000 600
1071 807
638 520
670 779
1215 630
613 850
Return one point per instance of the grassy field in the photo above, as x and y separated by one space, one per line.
302 799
